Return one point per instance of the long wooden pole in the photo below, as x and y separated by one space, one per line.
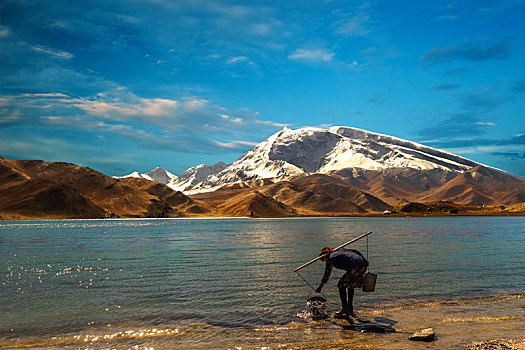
325 255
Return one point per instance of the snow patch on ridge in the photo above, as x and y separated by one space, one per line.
157 174
195 175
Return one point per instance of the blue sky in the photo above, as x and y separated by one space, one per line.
130 85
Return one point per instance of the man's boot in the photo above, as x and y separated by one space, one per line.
350 305
343 313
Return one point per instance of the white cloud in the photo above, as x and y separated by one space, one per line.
64 55
238 59
191 104
157 106
270 123
312 55
160 123
52 94
448 17
355 65
236 144
483 149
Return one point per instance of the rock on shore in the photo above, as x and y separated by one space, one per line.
498 344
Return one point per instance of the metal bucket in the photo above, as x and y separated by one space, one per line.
369 282
315 308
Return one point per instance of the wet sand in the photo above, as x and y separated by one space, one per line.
458 323
491 322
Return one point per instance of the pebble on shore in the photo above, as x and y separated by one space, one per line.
426 334
498 344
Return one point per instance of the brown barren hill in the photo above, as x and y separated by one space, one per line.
244 202
395 185
47 200
480 186
181 204
34 189
477 186
314 195
324 195
37 189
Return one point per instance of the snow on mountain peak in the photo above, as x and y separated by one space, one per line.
406 153
157 174
161 175
195 175
289 153
307 150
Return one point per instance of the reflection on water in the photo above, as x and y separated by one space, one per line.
229 282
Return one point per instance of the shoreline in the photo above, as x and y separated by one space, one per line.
368 215
459 322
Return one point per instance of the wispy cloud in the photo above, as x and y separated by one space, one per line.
52 94
241 145
486 123
357 25
472 50
261 28
53 52
116 109
191 122
238 59
312 55
272 124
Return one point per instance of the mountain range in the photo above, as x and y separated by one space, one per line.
290 153
390 168
308 171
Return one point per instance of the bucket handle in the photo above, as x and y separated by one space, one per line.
309 294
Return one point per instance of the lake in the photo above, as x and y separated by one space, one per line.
228 283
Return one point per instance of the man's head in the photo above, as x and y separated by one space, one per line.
325 250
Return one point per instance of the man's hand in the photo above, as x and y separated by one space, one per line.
318 290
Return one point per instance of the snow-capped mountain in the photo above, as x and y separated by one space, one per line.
289 153
314 150
195 175
161 175
157 174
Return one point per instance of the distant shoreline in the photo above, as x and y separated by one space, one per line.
369 215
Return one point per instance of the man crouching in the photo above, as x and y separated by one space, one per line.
355 265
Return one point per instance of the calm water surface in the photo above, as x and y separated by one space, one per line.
229 283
